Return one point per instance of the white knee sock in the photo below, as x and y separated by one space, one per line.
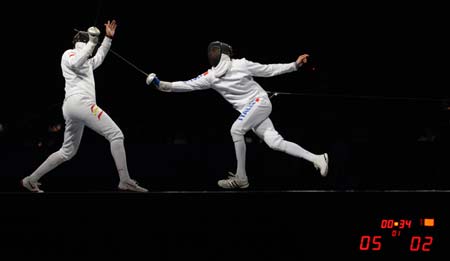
50 163
297 151
240 148
118 153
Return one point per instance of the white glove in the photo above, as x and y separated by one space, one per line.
152 77
93 34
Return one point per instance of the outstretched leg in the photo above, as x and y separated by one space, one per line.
72 138
266 131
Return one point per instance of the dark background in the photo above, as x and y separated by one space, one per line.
374 96
371 96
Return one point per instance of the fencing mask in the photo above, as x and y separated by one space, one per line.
215 50
81 36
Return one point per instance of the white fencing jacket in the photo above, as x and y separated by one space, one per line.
78 68
236 85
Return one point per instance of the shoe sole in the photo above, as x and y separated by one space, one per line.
29 188
326 160
131 190
239 187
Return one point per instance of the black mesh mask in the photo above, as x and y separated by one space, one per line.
215 51
81 36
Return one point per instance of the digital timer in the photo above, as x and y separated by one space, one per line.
405 235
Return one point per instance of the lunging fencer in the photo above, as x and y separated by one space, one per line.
233 79
80 108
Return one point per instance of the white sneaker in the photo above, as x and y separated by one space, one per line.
32 186
131 185
233 182
322 165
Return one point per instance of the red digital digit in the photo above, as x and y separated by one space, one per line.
383 223
426 245
390 223
415 244
364 243
408 223
377 243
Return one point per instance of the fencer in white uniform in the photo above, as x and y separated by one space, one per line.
80 108
233 79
